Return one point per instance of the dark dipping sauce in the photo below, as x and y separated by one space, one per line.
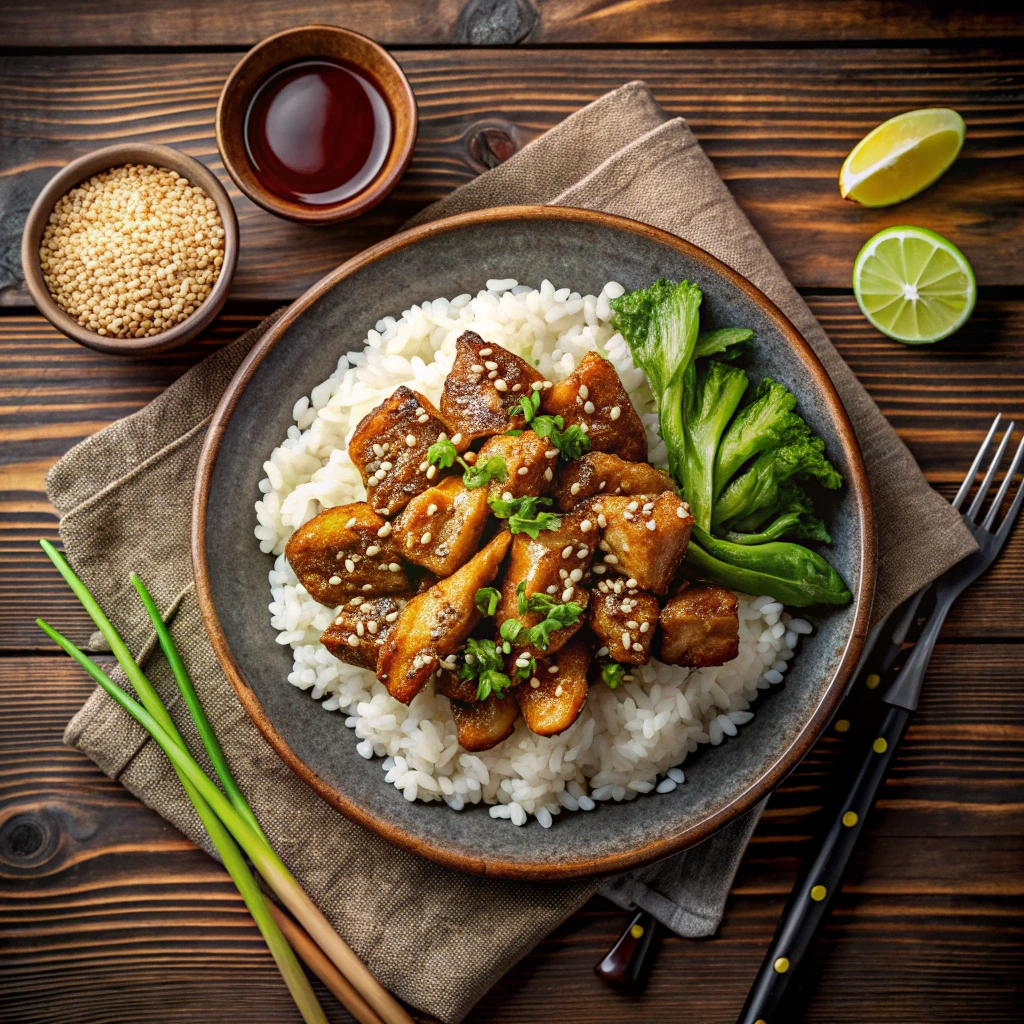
317 132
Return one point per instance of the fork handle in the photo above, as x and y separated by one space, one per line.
821 878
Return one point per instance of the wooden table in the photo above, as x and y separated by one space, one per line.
107 913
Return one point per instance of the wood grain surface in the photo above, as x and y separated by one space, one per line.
107 914
503 22
776 123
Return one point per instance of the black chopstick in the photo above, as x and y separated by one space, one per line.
873 749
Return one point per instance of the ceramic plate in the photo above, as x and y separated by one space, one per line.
459 254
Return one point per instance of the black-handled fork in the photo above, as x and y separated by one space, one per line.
820 881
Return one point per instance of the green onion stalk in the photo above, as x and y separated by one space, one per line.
218 813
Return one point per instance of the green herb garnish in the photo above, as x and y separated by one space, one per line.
522 514
571 442
484 663
487 599
612 673
527 406
443 454
556 615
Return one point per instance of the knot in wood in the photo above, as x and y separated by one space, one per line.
28 839
491 144
495 22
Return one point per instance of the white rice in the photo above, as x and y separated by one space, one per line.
627 741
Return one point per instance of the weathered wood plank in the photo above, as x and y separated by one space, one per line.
105 909
54 393
776 123
503 22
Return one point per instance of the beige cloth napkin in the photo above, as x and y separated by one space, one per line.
437 938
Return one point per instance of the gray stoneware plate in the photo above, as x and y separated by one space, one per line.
448 257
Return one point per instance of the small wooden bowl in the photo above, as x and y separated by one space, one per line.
103 160
309 43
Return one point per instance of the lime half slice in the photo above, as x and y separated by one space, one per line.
914 285
902 156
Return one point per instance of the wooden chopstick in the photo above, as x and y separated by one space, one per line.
313 957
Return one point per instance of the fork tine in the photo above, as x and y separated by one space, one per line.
1011 472
965 487
993 468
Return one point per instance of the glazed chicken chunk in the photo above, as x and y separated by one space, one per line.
553 699
645 537
441 528
594 398
604 473
361 626
624 619
555 564
390 448
700 626
344 552
435 624
484 724
529 465
485 382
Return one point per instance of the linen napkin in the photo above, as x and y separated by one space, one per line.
437 938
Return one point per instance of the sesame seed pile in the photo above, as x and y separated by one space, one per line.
133 251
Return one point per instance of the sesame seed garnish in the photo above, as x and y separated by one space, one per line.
491 365
584 392
631 582
353 640
360 629
431 509
551 453
355 600
426 538
431 472
644 627
576 575
500 385
384 530
680 511
611 559
633 506
563 574
602 520
602 651
548 475
350 566
627 640
340 555
552 669
584 428
558 690
394 567
410 440
424 466
373 549
367 586
456 438
651 525
552 589
548 384
366 607
391 616
567 551
535 683
517 387
470 457
603 545
493 375
632 624
506 496
477 368
351 523
486 351
616 412
583 552
589 408
523 470
536 385
442 436
586 526
567 594
335 580
600 570
603 485
648 506
378 451
628 516
575 489
338 621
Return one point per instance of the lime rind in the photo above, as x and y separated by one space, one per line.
914 285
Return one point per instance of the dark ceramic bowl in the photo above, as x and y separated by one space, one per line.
326 42
103 160
448 257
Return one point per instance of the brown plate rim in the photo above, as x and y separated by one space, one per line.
786 759
377 190
75 172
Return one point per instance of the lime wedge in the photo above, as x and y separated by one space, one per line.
902 156
914 285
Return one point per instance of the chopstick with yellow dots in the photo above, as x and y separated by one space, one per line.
876 728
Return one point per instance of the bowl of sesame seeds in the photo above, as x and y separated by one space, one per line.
131 249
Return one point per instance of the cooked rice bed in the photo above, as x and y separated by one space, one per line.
626 739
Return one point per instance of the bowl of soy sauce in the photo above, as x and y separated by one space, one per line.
316 124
